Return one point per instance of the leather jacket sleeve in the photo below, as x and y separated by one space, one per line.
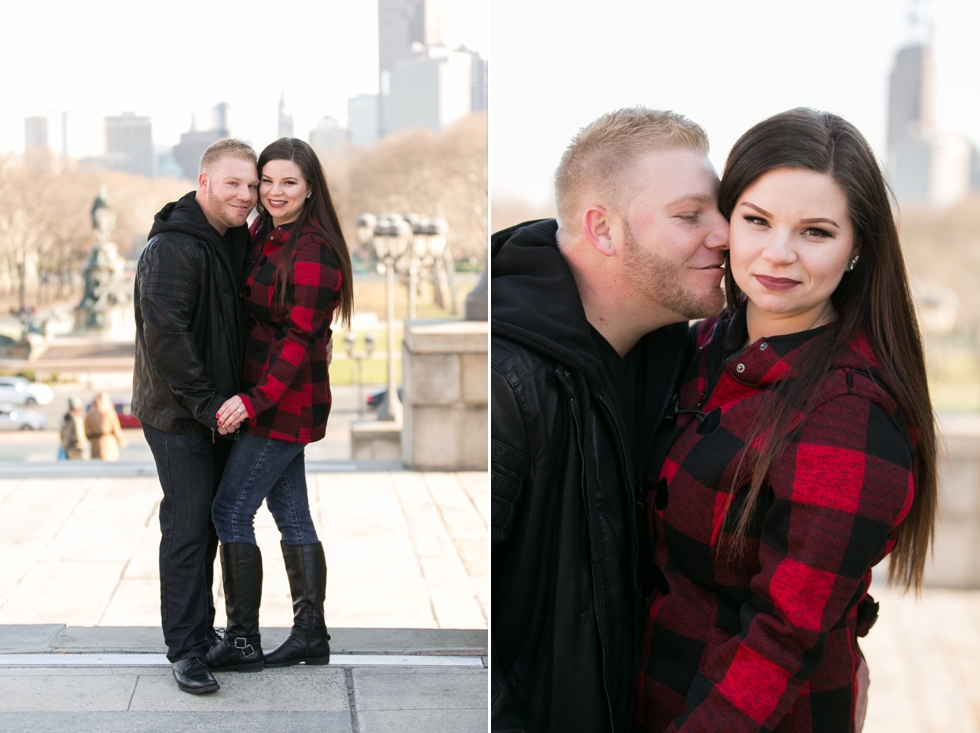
169 281
510 463
510 456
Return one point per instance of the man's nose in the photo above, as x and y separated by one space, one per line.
718 237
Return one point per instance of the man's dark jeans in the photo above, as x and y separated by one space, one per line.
189 468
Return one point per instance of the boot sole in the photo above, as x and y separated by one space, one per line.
311 661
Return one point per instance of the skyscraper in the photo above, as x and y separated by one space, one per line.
36 133
926 165
404 28
285 120
431 89
362 119
194 142
131 136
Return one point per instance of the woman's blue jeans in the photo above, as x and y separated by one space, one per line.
263 468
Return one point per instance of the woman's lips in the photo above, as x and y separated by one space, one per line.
776 283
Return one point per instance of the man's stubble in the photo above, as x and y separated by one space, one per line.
655 278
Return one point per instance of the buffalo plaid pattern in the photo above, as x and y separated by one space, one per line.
762 635
286 384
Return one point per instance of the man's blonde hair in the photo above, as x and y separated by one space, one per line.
600 160
228 147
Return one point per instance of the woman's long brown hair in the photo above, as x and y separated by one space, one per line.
874 300
318 211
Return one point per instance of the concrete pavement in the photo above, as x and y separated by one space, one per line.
407 600
364 689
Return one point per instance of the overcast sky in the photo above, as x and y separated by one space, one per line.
170 58
558 65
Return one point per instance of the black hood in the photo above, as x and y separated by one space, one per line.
185 215
534 299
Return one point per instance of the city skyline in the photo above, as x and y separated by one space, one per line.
724 65
97 63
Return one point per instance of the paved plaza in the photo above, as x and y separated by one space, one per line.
407 599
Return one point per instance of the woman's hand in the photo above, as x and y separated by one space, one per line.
231 414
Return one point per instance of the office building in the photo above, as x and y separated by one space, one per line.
131 136
431 89
36 133
362 119
285 120
404 28
927 166
194 142
328 136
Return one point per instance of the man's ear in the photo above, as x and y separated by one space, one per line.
202 181
598 227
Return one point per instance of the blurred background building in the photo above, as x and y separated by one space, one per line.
927 165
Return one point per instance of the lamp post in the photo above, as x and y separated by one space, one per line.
429 238
350 341
389 235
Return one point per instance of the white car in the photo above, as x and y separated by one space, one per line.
13 417
19 391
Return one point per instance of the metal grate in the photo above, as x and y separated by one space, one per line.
160 660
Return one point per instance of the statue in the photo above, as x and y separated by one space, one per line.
102 270
103 217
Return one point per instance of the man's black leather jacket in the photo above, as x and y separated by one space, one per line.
190 320
566 502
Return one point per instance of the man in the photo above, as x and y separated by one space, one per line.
589 338
190 341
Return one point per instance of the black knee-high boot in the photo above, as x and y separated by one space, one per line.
241 648
308 640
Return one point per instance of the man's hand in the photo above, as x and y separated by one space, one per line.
231 414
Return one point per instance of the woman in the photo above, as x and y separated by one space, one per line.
103 429
300 275
804 450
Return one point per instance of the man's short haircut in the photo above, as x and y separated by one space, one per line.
599 161
225 148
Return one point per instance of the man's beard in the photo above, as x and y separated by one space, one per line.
655 277
218 208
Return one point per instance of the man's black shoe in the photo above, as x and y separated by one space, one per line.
193 676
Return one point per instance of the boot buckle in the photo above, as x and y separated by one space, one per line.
241 643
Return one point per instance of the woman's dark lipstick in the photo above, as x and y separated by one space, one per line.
776 283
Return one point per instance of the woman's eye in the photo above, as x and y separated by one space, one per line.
817 232
755 220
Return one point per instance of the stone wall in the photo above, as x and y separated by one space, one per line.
445 374
956 559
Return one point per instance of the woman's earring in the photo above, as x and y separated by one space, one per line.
311 193
850 267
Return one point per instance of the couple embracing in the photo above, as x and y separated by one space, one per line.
685 518
231 384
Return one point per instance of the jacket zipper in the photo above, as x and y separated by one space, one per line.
588 528
629 482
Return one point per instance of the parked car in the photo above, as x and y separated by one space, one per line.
19 391
126 417
376 399
125 413
13 417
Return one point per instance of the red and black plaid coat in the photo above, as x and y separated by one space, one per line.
286 385
765 638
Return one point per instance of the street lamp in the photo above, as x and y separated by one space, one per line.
350 341
389 235
427 247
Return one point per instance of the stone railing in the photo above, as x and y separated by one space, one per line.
444 376
956 559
